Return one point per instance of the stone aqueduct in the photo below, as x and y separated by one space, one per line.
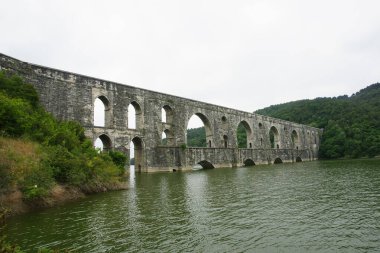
71 96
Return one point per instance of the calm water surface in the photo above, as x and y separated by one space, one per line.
303 207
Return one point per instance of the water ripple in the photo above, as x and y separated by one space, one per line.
308 207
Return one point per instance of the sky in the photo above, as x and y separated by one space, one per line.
243 54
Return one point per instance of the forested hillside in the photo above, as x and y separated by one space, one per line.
351 124
196 137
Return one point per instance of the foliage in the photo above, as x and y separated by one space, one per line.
241 136
48 151
15 87
351 124
119 159
6 247
196 137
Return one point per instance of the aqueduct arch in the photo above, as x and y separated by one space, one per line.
71 97
274 137
248 133
207 127
106 141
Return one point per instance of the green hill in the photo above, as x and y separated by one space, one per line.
351 124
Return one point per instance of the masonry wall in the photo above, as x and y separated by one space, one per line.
71 96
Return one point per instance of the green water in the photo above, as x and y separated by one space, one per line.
305 207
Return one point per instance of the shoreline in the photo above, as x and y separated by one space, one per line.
13 204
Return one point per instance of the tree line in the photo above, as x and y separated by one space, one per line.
351 124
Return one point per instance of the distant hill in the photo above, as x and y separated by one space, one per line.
196 137
351 124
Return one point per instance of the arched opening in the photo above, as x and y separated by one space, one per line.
260 125
163 115
134 115
101 111
103 143
167 114
298 159
137 154
224 119
277 160
225 140
249 162
164 140
199 132
261 141
167 138
206 164
274 138
244 135
295 140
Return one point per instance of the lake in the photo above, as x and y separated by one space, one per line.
321 206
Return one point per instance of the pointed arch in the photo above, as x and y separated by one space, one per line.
138 145
103 142
167 137
244 135
208 141
101 111
167 114
225 141
164 140
274 137
134 115
295 140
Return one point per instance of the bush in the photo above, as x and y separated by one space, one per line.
15 87
37 182
119 159
63 155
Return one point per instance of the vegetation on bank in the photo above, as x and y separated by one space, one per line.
351 124
37 151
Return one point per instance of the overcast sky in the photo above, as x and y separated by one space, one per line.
241 54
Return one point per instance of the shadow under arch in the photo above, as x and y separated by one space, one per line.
138 153
207 127
206 164
225 141
277 160
249 162
107 143
298 159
